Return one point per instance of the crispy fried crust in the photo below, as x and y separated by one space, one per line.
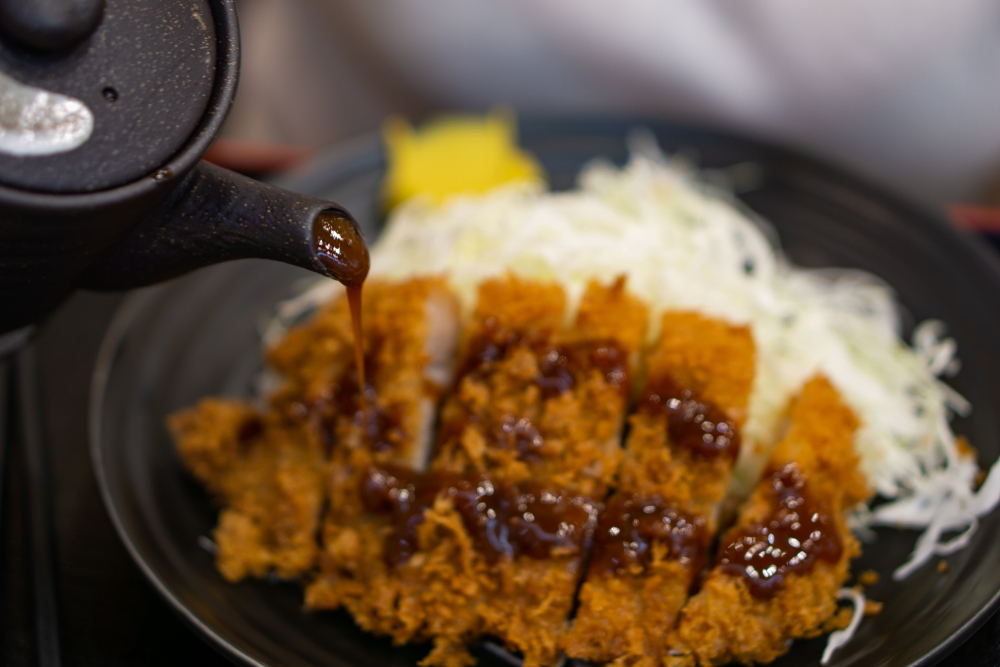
709 356
274 471
273 505
820 439
531 611
715 360
611 313
268 476
580 427
628 616
208 440
447 591
410 332
268 469
724 622
513 304
425 598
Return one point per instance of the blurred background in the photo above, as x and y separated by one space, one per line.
903 92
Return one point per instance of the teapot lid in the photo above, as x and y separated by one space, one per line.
88 112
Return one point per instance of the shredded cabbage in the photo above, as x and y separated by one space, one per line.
841 637
685 245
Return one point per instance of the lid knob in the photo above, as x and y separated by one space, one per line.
50 25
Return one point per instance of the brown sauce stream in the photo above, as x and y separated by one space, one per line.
798 531
339 246
354 300
504 521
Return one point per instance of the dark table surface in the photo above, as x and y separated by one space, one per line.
107 613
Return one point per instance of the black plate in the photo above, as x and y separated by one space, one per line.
196 336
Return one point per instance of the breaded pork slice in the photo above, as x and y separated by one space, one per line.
584 380
410 332
490 540
267 474
268 468
651 538
536 402
779 568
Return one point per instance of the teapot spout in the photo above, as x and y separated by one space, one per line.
215 215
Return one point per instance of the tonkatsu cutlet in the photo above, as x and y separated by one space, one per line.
581 389
651 538
537 402
268 468
267 473
779 568
410 332
490 540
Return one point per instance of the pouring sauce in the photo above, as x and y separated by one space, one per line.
342 251
354 300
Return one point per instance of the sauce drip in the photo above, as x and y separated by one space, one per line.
797 532
694 424
628 526
339 246
354 301
504 521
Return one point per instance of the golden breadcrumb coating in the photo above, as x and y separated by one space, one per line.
409 332
709 356
208 437
447 591
504 420
513 304
611 313
581 429
268 476
820 439
715 361
627 616
426 597
269 469
725 622
535 402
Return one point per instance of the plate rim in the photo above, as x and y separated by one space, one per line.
126 313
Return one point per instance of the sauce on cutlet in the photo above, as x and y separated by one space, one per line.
560 368
504 521
559 365
381 427
694 424
798 531
628 526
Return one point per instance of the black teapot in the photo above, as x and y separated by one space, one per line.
106 108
